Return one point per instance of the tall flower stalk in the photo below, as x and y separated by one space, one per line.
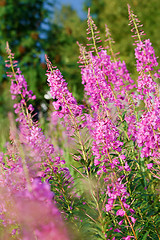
113 150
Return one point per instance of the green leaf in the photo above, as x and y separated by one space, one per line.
145 235
123 114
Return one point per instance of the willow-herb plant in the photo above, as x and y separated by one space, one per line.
100 180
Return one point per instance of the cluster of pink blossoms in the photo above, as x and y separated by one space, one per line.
30 134
105 134
146 61
40 217
65 103
19 87
148 132
100 75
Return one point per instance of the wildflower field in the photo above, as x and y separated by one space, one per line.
93 172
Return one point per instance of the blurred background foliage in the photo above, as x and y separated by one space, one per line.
36 27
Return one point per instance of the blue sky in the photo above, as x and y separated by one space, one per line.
76 4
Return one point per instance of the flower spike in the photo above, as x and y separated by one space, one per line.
136 27
95 38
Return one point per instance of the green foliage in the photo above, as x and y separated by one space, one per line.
114 13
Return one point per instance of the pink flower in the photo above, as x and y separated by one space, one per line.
120 212
121 222
126 167
108 207
65 103
147 132
123 157
133 219
150 165
99 75
127 238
